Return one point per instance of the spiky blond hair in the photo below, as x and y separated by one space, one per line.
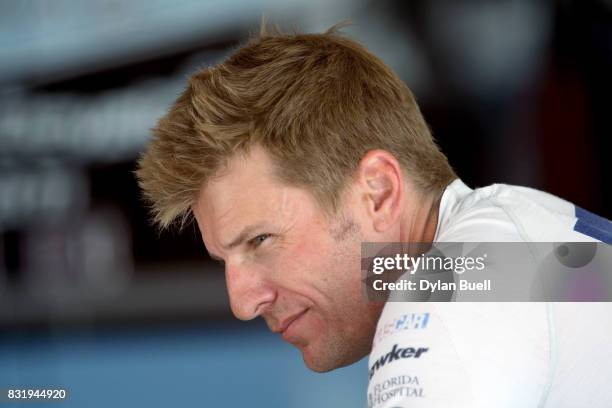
315 102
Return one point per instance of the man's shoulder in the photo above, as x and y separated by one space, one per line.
505 213
437 354
482 214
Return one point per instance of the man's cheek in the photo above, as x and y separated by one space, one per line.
306 255
315 326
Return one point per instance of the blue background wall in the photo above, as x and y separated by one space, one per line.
219 365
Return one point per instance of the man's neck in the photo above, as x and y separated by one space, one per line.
419 226
421 221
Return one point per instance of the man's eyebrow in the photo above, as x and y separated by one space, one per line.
242 236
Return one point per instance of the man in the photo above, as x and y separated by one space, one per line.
297 149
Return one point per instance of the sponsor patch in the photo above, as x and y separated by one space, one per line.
397 353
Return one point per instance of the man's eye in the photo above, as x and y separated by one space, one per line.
258 240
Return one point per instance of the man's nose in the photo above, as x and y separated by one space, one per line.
248 290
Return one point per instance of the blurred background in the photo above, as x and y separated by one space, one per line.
93 299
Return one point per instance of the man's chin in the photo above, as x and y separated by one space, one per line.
317 366
321 363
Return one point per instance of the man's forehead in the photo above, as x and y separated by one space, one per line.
242 176
242 197
243 190
230 201
223 224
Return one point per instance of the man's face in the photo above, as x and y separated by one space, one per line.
284 260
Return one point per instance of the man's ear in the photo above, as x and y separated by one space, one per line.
381 184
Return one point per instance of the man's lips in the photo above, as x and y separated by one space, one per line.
286 323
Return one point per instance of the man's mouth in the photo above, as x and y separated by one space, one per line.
287 326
